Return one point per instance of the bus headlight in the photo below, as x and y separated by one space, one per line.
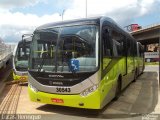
89 90
32 87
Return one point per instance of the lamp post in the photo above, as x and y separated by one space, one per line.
63 14
86 8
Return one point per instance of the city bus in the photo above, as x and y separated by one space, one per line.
20 58
81 63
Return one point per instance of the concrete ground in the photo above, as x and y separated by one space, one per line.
155 69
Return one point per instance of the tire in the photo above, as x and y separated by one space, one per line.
118 89
135 76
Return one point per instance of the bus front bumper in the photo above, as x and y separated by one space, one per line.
20 78
92 101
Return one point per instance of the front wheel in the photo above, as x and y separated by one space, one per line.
118 89
135 75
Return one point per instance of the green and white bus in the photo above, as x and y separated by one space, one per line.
81 63
20 58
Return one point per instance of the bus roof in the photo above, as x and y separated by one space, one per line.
28 39
91 20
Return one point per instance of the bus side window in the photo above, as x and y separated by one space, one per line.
133 48
118 44
128 47
107 49
141 51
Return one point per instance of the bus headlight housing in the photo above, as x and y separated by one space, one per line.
32 87
89 90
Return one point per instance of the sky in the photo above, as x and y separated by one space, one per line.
18 17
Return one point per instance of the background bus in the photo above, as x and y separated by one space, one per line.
82 63
20 58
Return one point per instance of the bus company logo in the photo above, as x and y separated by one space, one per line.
56 76
55 83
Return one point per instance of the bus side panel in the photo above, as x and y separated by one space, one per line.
130 72
109 83
141 64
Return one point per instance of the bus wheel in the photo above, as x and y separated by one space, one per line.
118 89
135 75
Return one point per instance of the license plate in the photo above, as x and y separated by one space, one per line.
57 100
22 78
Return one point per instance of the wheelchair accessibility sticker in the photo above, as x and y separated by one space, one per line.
74 65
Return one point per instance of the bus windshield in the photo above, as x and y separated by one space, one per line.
65 49
22 55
